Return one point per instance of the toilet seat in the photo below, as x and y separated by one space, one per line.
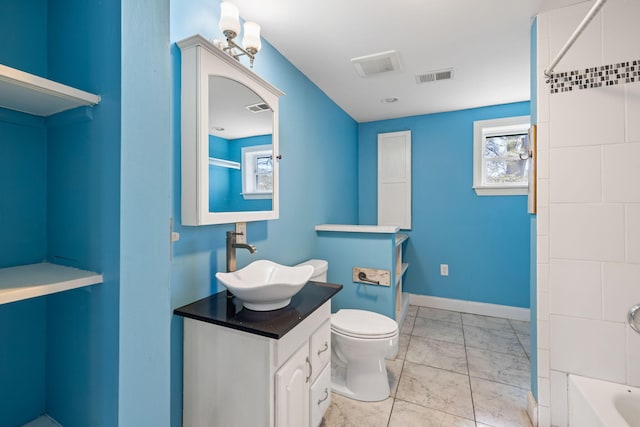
363 324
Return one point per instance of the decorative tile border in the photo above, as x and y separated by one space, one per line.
589 78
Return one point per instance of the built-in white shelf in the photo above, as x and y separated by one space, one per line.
36 95
34 280
400 238
214 161
401 272
350 228
43 421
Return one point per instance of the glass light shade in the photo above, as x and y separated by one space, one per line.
251 37
229 18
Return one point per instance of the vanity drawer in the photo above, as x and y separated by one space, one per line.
320 396
320 349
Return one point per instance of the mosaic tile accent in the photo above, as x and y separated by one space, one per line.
589 78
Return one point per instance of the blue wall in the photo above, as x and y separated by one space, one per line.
60 202
23 44
23 215
145 250
83 204
344 251
318 179
484 240
219 177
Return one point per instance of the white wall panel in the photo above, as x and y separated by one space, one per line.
588 347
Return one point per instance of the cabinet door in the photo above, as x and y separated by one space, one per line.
292 390
320 396
394 179
320 349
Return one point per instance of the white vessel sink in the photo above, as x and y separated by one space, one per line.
264 285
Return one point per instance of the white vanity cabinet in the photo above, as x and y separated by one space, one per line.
303 383
320 395
238 378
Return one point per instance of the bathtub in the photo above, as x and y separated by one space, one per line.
597 403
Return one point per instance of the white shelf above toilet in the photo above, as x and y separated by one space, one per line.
354 228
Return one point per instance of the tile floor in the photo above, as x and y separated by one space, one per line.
452 370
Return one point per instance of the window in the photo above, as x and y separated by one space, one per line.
257 172
500 161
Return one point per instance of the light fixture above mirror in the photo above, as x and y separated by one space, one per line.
230 27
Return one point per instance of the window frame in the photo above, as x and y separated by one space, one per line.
489 128
249 157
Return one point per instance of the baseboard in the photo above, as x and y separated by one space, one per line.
532 409
473 307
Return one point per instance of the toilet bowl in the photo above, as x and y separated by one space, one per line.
360 343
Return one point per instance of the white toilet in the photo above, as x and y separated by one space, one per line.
360 342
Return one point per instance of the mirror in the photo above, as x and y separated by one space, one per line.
240 148
229 139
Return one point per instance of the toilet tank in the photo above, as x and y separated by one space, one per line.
320 268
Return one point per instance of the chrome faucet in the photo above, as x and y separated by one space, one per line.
232 244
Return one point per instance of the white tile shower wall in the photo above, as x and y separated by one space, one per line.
633 350
559 396
569 183
589 242
633 233
573 278
543 277
621 289
633 111
587 51
586 232
588 347
621 172
620 19
587 117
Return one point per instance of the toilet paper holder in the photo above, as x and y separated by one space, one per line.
371 276
363 278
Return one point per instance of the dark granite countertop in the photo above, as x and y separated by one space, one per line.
223 311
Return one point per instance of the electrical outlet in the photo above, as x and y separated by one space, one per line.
444 269
241 228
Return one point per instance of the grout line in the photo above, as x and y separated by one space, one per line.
404 359
466 356
393 403
522 345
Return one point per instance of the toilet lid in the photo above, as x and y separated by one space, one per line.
363 324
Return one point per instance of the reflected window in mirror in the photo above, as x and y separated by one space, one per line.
257 167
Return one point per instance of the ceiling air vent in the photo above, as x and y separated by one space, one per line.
378 63
258 108
435 76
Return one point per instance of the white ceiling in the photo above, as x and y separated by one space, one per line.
485 41
229 117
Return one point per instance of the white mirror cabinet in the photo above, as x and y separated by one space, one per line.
229 138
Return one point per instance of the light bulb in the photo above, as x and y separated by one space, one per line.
229 19
251 39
